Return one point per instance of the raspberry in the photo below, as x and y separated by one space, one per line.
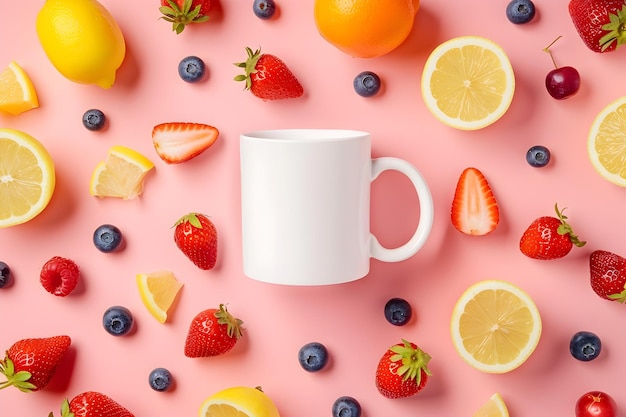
59 276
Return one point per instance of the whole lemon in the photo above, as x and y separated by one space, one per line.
82 40
365 28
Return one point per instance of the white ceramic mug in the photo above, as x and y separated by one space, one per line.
306 206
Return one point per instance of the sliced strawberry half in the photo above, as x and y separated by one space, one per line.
179 142
474 208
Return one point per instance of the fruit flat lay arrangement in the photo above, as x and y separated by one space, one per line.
122 291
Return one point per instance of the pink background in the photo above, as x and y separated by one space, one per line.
348 318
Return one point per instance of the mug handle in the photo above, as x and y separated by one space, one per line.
425 224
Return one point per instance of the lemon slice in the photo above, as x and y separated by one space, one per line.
494 407
495 326
121 175
239 402
27 177
158 291
468 82
606 145
17 93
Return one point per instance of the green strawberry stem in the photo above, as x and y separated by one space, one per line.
17 379
233 325
191 218
414 361
248 66
616 29
620 297
180 17
565 228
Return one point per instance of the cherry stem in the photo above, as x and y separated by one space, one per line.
547 49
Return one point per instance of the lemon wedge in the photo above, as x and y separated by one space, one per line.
17 93
121 175
239 402
495 326
158 291
494 407
27 177
468 82
606 144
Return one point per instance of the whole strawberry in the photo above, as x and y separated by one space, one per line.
180 13
549 237
267 77
196 236
30 364
92 404
601 24
212 332
402 371
608 275
59 276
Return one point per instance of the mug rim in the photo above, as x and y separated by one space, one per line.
305 134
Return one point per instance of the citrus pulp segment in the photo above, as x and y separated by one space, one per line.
158 291
27 177
606 144
238 402
468 82
17 93
82 40
365 28
495 326
494 407
121 175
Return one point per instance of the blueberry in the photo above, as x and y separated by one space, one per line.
117 320
585 346
398 311
520 11
160 379
538 156
366 84
346 407
264 9
191 69
5 274
313 356
107 238
94 119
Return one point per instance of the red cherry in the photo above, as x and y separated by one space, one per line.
561 82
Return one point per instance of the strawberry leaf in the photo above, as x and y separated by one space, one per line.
616 29
18 379
414 361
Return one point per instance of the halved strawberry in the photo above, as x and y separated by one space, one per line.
179 142
474 208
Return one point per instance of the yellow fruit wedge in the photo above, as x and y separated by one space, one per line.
238 402
606 144
27 177
495 326
158 291
468 82
494 407
17 93
121 175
